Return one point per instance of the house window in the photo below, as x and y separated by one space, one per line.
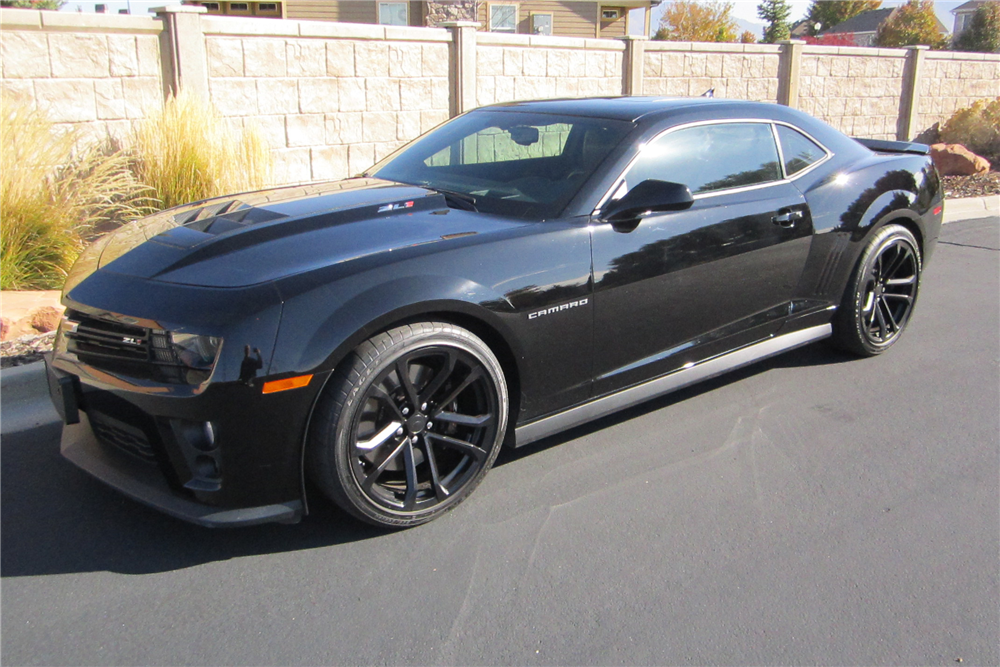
541 24
503 18
609 14
211 6
239 6
268 6
393 13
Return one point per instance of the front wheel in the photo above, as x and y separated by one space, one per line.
410 424
880 298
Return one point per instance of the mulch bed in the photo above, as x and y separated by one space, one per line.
28 349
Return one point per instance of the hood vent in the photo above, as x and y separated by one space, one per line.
225 216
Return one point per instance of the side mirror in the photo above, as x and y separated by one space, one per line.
647 197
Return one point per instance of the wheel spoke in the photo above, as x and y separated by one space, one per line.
904 297
382 465
460 445
901 281
379 438
881 320
403 372
378 393
449 367
465 420
902 254
410 498
893 324
474 375
440 490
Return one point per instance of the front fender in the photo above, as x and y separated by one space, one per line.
338 325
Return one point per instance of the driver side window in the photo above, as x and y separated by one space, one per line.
707 158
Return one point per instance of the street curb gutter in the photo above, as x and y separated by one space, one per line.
25 400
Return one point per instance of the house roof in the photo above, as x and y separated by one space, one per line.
970 6
864 22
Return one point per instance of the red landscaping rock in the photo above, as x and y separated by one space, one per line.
957 160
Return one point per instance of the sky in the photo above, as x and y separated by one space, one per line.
745 10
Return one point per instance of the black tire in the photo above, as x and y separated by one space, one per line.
881 295
409 425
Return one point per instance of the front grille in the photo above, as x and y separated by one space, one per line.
118 434
100 339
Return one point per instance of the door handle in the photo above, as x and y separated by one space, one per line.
787 219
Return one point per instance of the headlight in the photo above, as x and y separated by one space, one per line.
191 350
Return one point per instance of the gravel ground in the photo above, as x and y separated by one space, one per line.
28 349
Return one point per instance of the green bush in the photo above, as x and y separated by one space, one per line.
188 152
976 127
53 195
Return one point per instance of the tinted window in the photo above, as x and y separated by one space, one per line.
710 157
526 165
798 150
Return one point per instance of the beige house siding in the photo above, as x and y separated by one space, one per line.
569 19
613 27
346 11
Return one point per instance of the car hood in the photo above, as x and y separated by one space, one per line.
260 236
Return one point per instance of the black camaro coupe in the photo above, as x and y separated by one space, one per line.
519 270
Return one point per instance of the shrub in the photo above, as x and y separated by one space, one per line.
53 195
188 152
976 127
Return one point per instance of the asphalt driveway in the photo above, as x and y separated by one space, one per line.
813 508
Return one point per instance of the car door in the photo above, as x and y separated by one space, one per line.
682 286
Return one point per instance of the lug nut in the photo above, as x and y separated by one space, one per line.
423 408
430 424
406 411
399 431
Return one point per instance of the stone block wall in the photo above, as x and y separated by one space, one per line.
334 98
735 71
858 91
330 106
95 74
522 67
950 81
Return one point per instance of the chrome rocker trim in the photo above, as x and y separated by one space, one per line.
663 385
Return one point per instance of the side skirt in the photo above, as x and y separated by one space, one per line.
684 377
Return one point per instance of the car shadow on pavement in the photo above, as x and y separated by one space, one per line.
55 519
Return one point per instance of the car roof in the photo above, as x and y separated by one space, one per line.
631 108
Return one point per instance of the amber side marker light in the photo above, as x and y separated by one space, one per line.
288 383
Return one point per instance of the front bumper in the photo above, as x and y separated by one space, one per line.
145 483
139 441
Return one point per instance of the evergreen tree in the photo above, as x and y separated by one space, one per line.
982 34
828 13
776 13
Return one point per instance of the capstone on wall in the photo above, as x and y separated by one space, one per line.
96 76
857 92
734 71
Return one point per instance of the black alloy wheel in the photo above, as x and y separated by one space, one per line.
883 291
410 424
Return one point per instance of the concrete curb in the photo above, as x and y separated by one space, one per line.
24 399
24 392
971 208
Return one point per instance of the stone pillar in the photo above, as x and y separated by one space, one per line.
632 66
910 95
790 62
182 45
462 66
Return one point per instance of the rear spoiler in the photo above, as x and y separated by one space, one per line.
882 146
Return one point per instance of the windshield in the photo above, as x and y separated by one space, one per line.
524 165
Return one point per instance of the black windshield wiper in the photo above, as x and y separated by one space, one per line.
456 199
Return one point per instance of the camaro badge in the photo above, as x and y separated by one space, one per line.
556 309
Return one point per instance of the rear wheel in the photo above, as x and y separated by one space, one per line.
880 298
410 424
